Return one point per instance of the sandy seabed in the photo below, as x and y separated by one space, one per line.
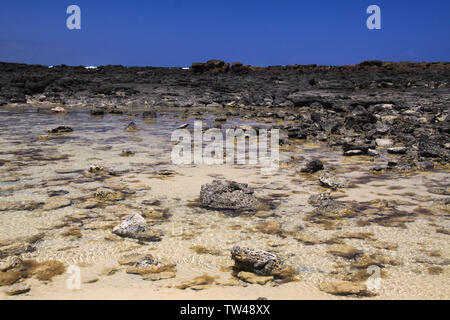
51 210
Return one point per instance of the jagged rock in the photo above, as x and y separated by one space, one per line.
257 261
224 194
136 227
151 269
10 263
316 200
108 195
325 204
313 166
330 181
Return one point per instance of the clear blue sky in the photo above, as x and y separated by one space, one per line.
179 32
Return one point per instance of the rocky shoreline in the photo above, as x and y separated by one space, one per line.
403 107
216 84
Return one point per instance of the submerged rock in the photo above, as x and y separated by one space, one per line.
97 112
254 278
18 288
61 129
58 110
330 181
397 150
325 204
344 250
345 288
96 169
384 142
257 261
149 114
136 227
317 200
55 203
224 194
313 166
132 127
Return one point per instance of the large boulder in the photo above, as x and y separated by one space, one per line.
224 194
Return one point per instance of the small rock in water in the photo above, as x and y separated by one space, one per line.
325 205
61 129
397 150
384 142
114 110
313 166
135 227
149 114
97 112
59 110
18 288
96 169
330 181
132 127
257 261
425 165
350 153
224 194
184 125
127 153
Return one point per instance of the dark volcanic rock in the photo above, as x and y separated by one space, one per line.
149 114
313 166
221 194
406 102
61 129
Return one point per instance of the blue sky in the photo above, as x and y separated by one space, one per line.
179 32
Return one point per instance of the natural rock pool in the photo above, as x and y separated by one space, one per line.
61 195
